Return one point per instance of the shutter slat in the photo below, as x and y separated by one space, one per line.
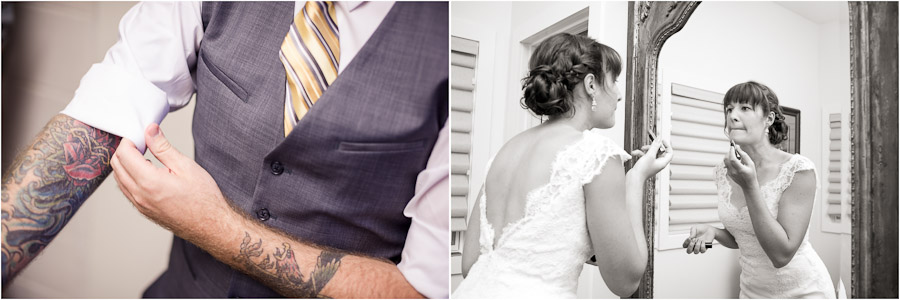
686 228
695 93
679 174
686 112
455 279
459 163
693 201
682 191
699 121
693 216
459 185
834 178
461 78
834 209
455 263
834 198
461 142
834 118
834 134
460 121
834 156
457 224
458 207
699 131
461 100
463 45
693 162
834 166
462 59
687 101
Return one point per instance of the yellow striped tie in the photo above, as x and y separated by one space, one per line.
310 54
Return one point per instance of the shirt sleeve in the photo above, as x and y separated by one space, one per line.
424 261
145 74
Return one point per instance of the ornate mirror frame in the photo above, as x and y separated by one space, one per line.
873 53
650 24
873 146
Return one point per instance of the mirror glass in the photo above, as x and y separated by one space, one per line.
800 50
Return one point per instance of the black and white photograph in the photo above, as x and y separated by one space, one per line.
674 149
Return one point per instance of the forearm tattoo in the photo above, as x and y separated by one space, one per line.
279 269
47 183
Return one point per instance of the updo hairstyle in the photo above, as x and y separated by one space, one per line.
757 94
558 64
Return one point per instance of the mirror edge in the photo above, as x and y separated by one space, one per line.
874 78
650 24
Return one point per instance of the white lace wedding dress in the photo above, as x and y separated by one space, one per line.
542 254
805 276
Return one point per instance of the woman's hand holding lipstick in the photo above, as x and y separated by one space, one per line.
701 238
742 170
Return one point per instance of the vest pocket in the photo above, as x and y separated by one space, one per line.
381 147
224 79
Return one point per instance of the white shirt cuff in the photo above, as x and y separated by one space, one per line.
424 261
118 102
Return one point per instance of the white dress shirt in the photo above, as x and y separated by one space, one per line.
146 74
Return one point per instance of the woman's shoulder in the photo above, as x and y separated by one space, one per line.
799 163
594 144
793 173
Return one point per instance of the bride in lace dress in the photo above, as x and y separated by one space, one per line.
558 193
765 201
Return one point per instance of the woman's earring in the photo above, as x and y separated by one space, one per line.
594 105
767 130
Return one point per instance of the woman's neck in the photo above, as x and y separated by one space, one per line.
580 119
762 153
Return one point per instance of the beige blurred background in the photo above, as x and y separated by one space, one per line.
108 250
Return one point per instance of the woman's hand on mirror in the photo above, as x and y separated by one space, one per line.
742 171
700 235
650 162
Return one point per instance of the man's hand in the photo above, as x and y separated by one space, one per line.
181 196
184 198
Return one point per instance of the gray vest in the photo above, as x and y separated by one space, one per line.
345 173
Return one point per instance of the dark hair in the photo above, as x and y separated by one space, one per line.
558 64
757 94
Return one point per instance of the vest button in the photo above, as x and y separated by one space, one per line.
263 214
277 168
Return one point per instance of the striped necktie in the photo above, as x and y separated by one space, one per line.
310 54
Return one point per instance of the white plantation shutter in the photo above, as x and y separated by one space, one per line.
834 168
462 84
699 141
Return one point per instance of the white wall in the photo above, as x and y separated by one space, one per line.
108 250
834 81
725 43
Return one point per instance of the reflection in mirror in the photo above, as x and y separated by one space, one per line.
799 54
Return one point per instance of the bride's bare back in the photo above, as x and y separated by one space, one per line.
522 165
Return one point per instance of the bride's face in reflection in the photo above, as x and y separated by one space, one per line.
745 124
607 95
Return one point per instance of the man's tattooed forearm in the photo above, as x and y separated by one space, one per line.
47 183
278 269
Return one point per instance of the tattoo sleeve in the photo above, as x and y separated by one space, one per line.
278 268
47 183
